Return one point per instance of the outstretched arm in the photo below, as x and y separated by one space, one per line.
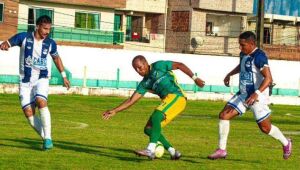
231 73
188 71
126 104
60 67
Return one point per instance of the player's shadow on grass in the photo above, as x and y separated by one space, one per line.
113 152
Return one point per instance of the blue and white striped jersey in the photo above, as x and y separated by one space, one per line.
34 55
250 72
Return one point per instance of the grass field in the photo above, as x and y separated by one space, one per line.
82 140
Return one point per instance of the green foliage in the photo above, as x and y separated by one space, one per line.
110 144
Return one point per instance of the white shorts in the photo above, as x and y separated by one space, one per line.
260 108
31 90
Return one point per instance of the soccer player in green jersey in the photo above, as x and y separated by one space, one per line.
158 79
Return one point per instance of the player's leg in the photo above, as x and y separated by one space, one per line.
233 108
171 106
41 97
175 105
162 139
26 97
262 112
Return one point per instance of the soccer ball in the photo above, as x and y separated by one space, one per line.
159 150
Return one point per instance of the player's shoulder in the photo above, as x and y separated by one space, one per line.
160 63
22 35
258 53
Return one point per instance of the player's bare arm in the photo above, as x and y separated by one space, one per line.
126 104
231 73
188 71
266 83
4 45
60 67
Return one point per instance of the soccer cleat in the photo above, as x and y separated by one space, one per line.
176 156
218 154
287 150
146 152
47 144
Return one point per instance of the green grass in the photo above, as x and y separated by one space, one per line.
110 144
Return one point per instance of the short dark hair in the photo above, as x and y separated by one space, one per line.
248 35
43 19
139 58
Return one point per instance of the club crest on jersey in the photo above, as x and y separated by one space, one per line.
28 61
45 51
248 64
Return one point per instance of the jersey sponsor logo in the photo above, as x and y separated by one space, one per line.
40 63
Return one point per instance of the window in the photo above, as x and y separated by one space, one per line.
223 25
267 36
118 22
35 13
87 20
1 12
209 28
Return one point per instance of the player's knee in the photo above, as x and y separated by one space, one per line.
41 103
265 129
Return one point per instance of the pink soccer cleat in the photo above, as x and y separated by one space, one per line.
218 154
287 150
146 153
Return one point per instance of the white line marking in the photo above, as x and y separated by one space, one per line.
80 125
291 132
289 114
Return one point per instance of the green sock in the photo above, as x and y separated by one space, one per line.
161 139
155 132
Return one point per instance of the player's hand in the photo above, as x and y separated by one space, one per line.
4 46
66 83
252 99
108 114
200 82
227 80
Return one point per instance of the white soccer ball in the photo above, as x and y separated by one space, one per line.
159 150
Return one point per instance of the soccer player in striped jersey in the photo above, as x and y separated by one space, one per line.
255 79
36 49
159 79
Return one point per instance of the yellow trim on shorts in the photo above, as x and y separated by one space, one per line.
172 105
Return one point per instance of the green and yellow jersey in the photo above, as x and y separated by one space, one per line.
160 80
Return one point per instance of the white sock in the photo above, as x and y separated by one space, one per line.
36 124
277 134
151 147
171 151
46 120
223 133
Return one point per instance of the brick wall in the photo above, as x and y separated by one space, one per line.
282 52
180 21
10 19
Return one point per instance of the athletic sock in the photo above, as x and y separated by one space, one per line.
277 134
36 124
151 147
161 139
46 120
156 119
171 151
223 133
